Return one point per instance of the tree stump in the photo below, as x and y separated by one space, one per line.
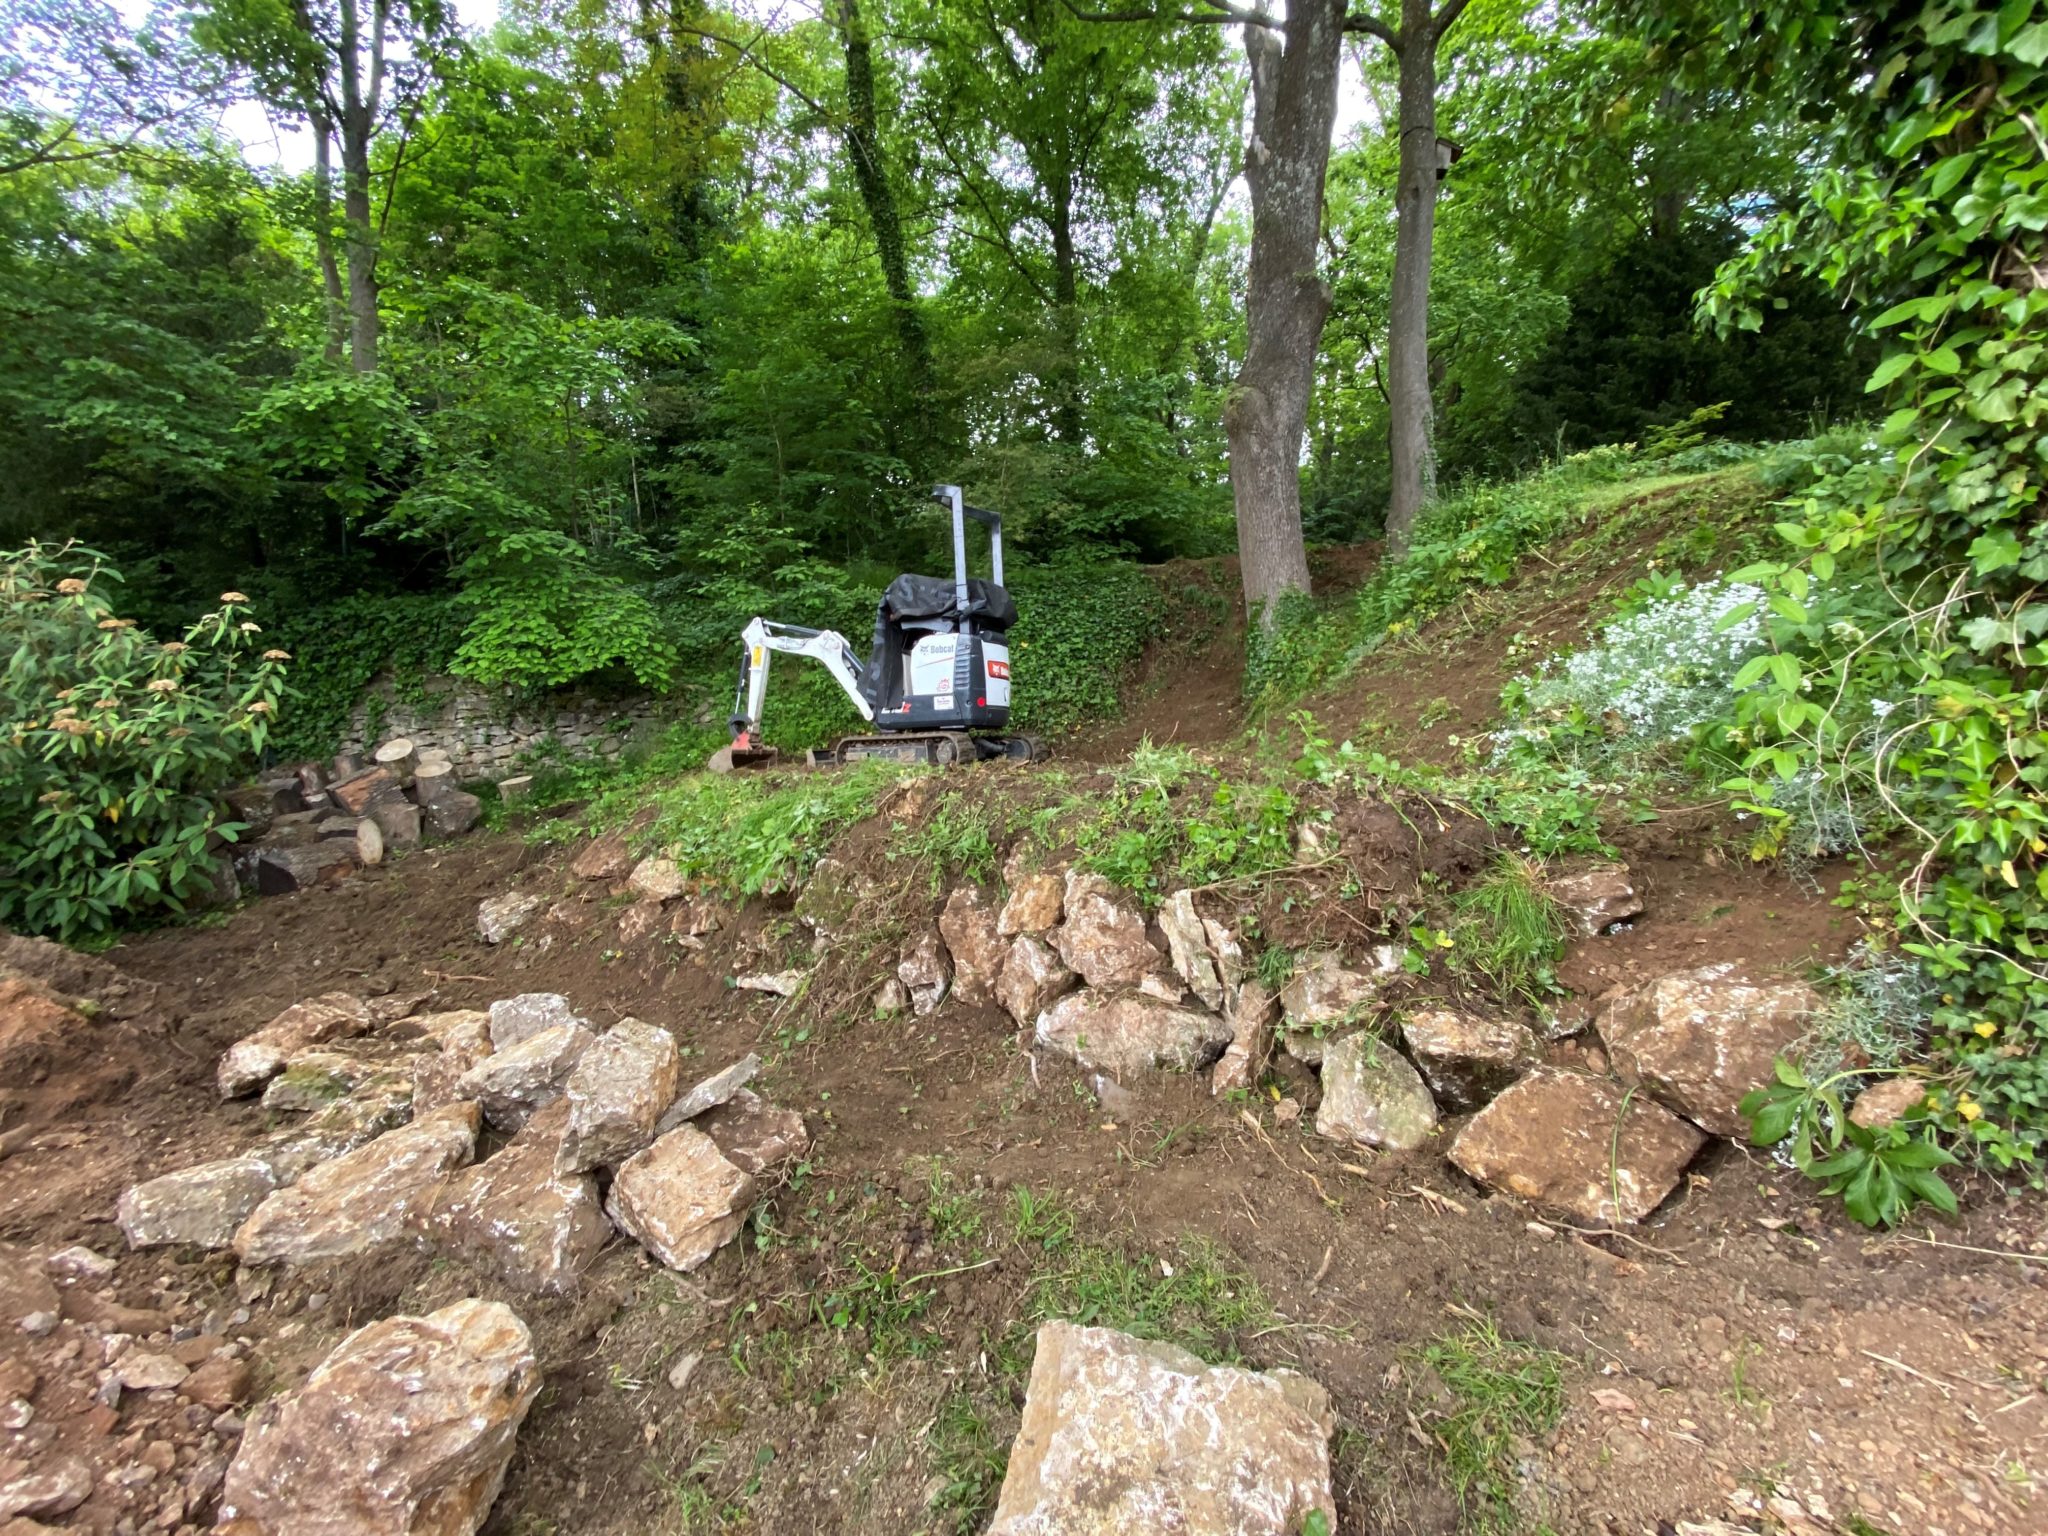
433 779
397 757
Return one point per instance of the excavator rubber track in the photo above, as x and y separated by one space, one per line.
932 748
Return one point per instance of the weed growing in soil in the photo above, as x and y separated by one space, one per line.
1509 929
1502 1391
1194 1299
1168 814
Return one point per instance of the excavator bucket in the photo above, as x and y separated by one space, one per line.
740 755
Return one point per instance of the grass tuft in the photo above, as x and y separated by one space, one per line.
1501 1391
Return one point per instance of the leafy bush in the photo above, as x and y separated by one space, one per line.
1169 817
1080 627
114 745
340 648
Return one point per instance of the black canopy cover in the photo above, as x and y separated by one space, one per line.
936 597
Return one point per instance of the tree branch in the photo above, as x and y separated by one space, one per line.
747 55
1220 14
1372 26
1444 17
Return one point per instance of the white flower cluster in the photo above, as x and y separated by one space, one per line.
1655 674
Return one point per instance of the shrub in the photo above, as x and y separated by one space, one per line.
114 745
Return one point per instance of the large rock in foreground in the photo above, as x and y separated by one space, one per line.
511 1084
681 1199
1551 1139
202 1206
617 1093
516 1215
1700 1040
363 1199
1372 1097
968 925
1123 1436
1101 938
404 1430
1131 1032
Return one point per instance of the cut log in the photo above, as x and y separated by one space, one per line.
370 841
432 779
347 765
337 824
398 819
452 813
397 757
355 795
279 870
515 789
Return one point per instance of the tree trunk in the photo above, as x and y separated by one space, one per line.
360 239
323 237
1411 428
1294 106
1066 297
864 151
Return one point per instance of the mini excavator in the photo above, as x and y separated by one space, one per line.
936 684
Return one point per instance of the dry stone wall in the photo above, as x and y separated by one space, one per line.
485 731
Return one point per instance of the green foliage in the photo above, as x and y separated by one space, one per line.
1508 928
1195 1298
1881 1173
114 745
340 648
1170 818
1080 627
1906 625
1502 1391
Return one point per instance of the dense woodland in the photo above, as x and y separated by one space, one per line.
580 320
568 343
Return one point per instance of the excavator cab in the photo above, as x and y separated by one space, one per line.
937 675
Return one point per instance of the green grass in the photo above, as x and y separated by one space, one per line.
1501 1390
1507 929
1193 1298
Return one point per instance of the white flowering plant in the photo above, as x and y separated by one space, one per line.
113 746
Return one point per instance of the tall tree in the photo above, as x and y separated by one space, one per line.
348 69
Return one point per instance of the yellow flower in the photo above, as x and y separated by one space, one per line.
71 586
233 597
1986 1028
1968 1107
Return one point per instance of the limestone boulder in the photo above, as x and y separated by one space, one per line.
830 902
1101 938
517 1215
1034 978
1128 1435
499 917
978 951
709 1093
314 1079
1251 1012
1551 1138
363 1199
514 1019
1465 1058
1700 1040
374 1106
1128 1032
926 971
1597 897
681 1199
1372 1097
1324 994
405 1429
1035 905
255 1059
511 1084
462 1039
605 858
753 1135
202 1206
616 1095
1187 945
656 878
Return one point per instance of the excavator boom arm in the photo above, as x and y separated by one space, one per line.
763 639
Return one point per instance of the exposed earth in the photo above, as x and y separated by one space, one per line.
855 1361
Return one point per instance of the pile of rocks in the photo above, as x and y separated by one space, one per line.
1075 963
384 1111
317 823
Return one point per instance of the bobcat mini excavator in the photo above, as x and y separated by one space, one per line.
936 681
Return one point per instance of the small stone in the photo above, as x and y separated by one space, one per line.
223 1382
1466 1059
1251 1010
775 983
142 1372
1597 897
1035 905
656 879
15 1414
926 971
1128 1435
1126 1033
406 1429
515 1019
201 1206
892 1000
681 1199
968 925
1372 1097
1323 995
1889 1101
499 917
1552 1138
38 1325
79 1265
511 1084
755 1136
58 1489
679 1374
1101 938
1187 944
607 858
709 1093
1034 978
640 921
